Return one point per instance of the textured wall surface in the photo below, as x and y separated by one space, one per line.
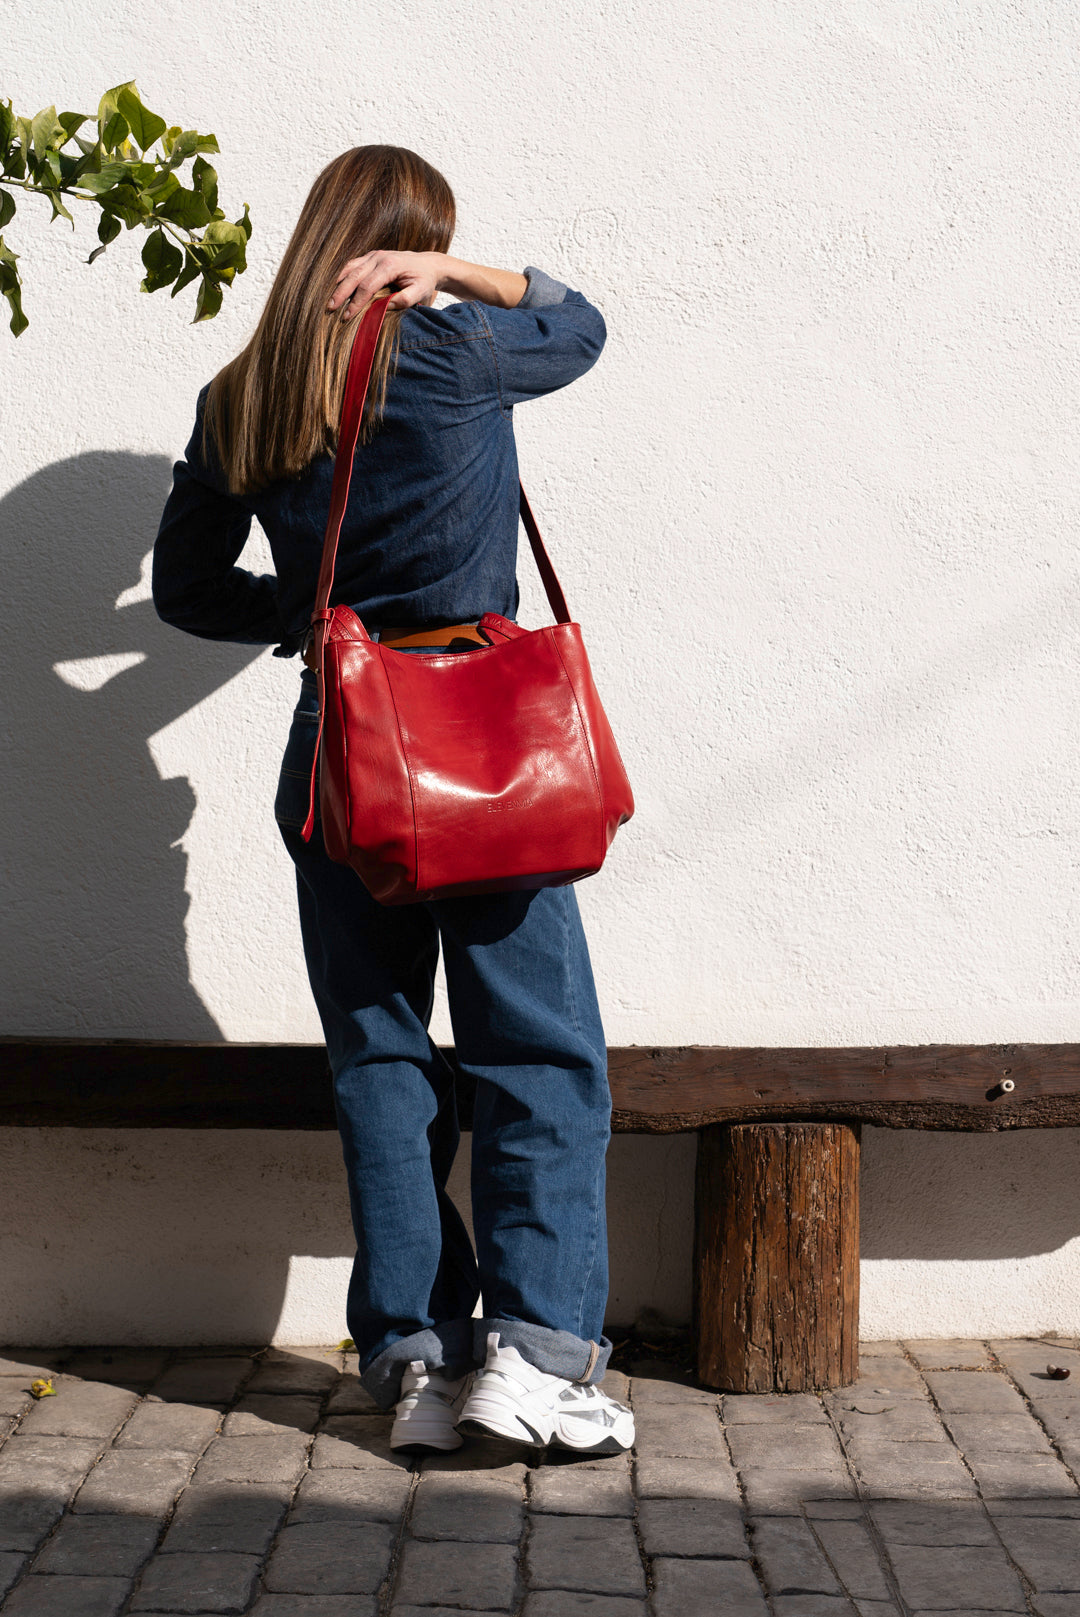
815 509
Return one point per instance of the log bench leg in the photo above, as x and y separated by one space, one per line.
776 1256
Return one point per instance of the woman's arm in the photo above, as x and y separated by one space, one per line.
418 276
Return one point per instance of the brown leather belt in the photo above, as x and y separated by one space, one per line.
431 637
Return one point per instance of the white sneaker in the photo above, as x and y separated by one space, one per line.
510 1398
427 1409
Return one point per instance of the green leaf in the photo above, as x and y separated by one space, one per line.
107 176
58 208
207 143
89 147
71 121
163 261
7 208
26 137
208 302
161 190
145 126
185 144
45 131
225 246
110 101
204 180
244 222
7 127
109 227
185 208
11 288
168 139
115 132
193 267
126 203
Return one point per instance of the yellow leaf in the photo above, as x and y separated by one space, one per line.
42 1389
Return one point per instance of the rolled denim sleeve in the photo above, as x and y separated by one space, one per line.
197 586
553 336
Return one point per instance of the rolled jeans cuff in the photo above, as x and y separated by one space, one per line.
556 1353
447 1347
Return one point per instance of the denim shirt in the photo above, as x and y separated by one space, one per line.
430 533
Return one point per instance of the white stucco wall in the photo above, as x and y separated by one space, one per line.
815 509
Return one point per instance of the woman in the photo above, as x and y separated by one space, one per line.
428 544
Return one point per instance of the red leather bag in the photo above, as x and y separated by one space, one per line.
460 772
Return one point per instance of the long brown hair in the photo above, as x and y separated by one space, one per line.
277 405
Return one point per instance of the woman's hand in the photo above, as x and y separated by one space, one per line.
416 275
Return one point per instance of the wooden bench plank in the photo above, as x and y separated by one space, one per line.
130 1083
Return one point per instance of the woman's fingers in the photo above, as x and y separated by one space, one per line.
361 278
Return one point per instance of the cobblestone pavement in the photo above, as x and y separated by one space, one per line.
196 1482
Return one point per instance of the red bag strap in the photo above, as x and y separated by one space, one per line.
361 362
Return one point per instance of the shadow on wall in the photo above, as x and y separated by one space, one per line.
95 871
940 1196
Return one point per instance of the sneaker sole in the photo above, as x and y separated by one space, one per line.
472 1427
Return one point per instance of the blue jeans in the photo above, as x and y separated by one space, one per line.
527 1028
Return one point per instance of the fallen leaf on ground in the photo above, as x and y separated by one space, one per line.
42 1389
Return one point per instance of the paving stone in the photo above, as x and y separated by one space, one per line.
596 1553
891 1470
563 1603
854 1555
265 1414
811 1606
479 1577
1066 1508
133 1482
833 1510
46 1596
969 1392
903 1422
1056 1605
197 1583
351 1497
238 1518
753 1409
949 1354
123 1367
294 1374
351 1397
616 1385
876 1608
468 1507
51 1461
202 1381
323 1606
790 1559
11 1565
706 1589
1000 1432
685 1479
568 1491
491 1456
889 1376
772 1491
180 1428
27 1514
795 1447
645 1391
99 1546
397 1610
1011 1476
324 1558
15 1395
1047 1552
356 1442
937 1579
254 1459
903 1521
675 1431
693 1527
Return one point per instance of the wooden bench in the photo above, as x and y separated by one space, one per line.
776 1247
